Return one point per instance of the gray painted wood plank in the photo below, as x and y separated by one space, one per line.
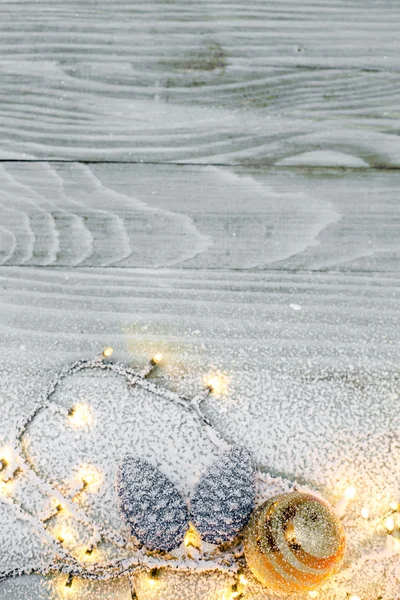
34 587
199 217
210 82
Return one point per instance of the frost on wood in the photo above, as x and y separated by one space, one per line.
64 521
224 497
37 587
151 504
327 425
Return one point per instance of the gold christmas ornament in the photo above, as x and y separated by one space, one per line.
294 542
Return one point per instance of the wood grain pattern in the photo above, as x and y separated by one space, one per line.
214 82
198 217
269 251
304 332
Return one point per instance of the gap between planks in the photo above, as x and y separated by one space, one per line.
246 165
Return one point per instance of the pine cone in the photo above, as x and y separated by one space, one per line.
151 504
224 497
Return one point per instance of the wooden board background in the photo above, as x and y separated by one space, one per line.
210 81
216 179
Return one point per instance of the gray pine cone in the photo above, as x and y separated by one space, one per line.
151 504
224 497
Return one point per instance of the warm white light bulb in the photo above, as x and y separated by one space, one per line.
107 352
350 493
313 594
394 506
214 384
354 597
5 457
91 478
389 524
88 555
217 383
365 513
80 415
192 538
153 577
64 535
157 357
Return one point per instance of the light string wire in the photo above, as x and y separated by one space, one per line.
229 561
225 561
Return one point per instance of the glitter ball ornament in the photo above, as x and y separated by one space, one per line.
224 497
151 504
294 542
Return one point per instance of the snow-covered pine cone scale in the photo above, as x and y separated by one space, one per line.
224 497
151 504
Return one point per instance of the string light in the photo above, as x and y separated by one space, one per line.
108 352
389 524
5 459
157 358
237 589
192 538
80 415
66 587
89 479
153 578
88 555
90 476
55 507
12 475
5 454
217 384
6 487
8 467
349 494
234 592
64 536
396 543
8 470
